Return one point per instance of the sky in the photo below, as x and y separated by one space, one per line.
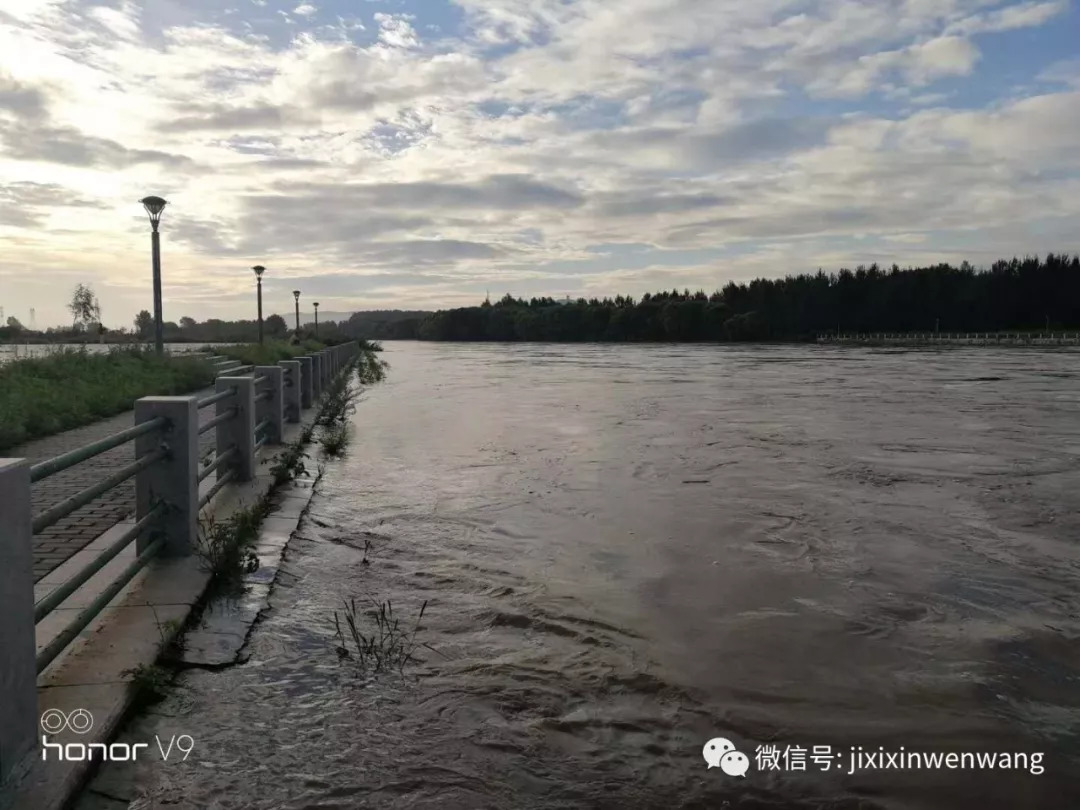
416 154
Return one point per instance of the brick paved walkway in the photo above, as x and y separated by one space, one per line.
60 541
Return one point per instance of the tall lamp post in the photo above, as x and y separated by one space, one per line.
154 206
259 270
316 320
296 298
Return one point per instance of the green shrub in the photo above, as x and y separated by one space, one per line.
269 353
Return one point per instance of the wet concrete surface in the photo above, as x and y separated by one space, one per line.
628 550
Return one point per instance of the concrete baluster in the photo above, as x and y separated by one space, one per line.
18 667
173 480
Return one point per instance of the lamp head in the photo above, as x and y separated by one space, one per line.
154 206
316 305
259 270
296 294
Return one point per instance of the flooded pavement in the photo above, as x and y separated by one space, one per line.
628 550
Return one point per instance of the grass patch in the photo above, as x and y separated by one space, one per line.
269 353
375 638
70 388
150 682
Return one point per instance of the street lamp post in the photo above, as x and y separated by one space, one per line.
316 320
154 206
296 297
259 270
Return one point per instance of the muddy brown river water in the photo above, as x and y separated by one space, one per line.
629 550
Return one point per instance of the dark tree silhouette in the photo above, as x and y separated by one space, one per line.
1017 294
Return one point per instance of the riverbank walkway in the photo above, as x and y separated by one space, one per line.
56 544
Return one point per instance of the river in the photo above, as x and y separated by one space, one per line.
628 550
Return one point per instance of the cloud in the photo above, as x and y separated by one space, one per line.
20 99
305 10
396 30
1022 15
917 65
1065 72
73 147
220 117
27 205
496 192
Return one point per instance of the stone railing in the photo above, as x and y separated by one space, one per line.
251 409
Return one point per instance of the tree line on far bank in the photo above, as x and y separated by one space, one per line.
1017 294
1012 295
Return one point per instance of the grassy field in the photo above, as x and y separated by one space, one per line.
71 388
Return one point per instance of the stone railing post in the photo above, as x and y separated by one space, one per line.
306 388
316 376
324 359
274 407
240 430
291 369
18 665
173 480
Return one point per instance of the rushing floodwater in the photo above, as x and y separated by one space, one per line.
628 550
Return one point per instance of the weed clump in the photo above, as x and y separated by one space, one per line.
375 639
227 547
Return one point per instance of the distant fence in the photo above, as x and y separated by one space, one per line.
252 405
955 338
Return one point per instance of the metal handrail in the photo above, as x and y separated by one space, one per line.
263 395
263 425
261 379
220 396
216 488
222 458
69 505
46 656
221 418
62 462
259 444
54 599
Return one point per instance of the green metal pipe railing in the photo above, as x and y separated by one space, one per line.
53 600
263 395
69 505
220 419
46 656
263 425
54 465
261 379
220 396
216 488
223 458
259 444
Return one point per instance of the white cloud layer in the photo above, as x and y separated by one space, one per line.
550 147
